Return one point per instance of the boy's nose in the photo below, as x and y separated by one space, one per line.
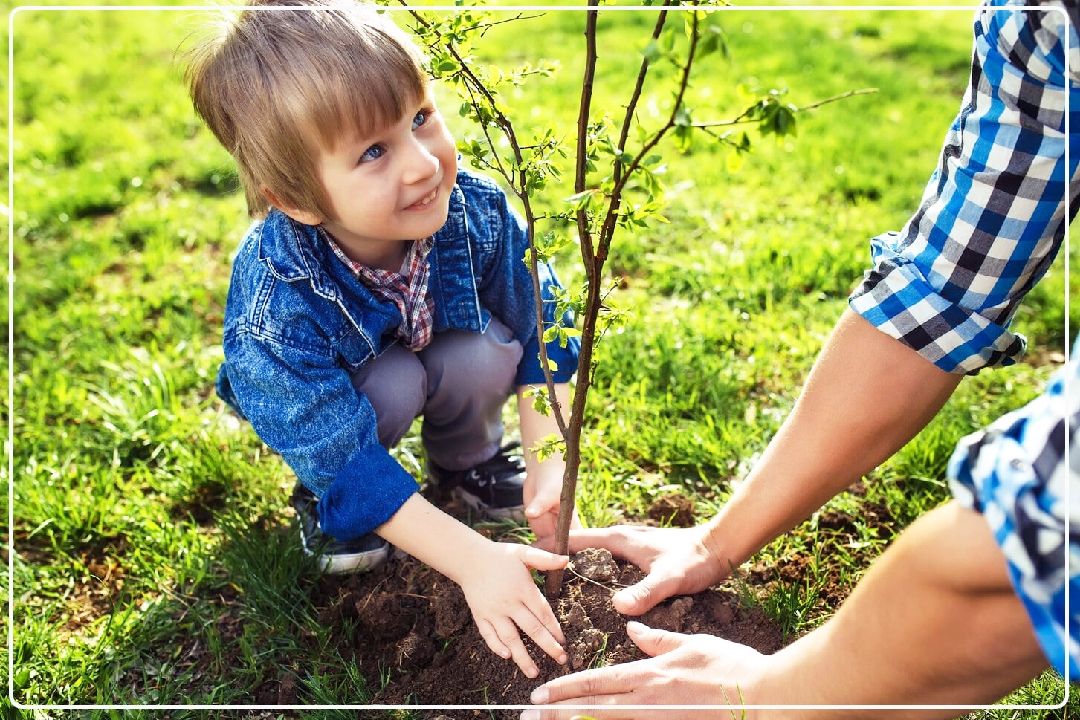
422 164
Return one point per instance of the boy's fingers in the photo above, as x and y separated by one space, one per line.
539 559
545 542
538 606
542 504
492 639
509 636
540 634
542 611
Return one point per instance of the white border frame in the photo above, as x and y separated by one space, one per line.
10 443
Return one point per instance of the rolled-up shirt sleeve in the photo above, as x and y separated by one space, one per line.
993 216
1018 474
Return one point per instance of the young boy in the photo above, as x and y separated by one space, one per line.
380 283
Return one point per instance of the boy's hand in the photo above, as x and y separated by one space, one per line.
503 598
543 480
542 508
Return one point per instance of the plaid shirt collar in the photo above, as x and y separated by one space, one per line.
407 290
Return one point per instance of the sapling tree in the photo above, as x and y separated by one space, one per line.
616 172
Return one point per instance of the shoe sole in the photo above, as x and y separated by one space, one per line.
344 563
516 513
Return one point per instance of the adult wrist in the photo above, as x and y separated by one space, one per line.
722 556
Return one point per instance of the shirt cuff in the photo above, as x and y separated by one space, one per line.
365 494
895 298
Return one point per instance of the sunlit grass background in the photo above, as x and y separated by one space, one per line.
155 560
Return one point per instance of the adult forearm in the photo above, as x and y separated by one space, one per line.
934 621
866 396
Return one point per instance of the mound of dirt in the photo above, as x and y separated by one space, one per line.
411 634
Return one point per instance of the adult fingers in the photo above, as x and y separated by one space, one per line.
584 685
540 633
654 641
612 539
544 529
508 634
643 596
555 712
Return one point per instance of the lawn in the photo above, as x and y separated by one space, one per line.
155 559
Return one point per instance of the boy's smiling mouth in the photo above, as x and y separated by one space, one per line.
425 201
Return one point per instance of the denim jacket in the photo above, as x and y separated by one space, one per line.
298 323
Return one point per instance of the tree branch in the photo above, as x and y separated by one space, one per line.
520 188
631 107
608 229
582 158
743 120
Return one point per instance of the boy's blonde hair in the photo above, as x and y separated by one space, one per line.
278 86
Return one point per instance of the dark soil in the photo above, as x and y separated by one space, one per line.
413 625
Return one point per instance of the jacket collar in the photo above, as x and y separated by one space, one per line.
293 251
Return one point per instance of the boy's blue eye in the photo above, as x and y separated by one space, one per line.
372 153
419 119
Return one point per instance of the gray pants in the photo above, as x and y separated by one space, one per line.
459 383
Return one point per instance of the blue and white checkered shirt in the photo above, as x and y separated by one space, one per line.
1014 473
993 215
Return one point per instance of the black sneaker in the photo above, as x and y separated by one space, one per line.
493 488
364 553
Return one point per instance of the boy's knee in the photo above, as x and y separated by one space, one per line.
475 363
395 384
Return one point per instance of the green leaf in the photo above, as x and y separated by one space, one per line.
785 120
578 201
713 39
652 52
682 117
667 42
445 65
683 138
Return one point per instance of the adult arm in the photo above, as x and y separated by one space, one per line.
866 396
935 621
936 304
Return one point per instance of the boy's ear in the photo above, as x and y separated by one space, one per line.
300 216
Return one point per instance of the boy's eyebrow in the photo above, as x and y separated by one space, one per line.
352 139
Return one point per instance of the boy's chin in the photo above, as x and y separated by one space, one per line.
437 221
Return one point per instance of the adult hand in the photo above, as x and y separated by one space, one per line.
701 668
502 596
677 562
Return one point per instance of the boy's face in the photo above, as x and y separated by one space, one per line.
391 187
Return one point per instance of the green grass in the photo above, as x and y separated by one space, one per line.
155 561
